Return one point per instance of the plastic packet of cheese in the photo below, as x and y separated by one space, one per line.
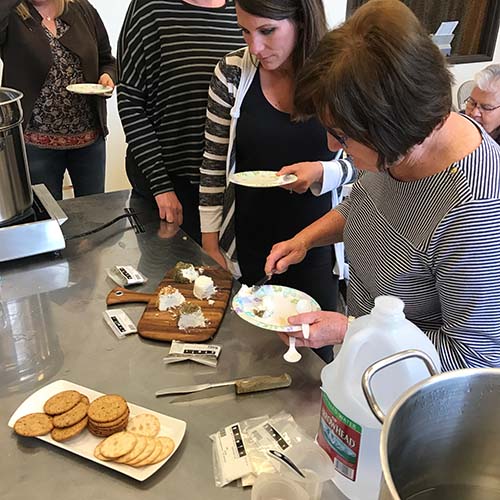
205 354
230 457
126 275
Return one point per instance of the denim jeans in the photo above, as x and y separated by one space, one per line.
86 167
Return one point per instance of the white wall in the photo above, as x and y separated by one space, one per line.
112 13
335 11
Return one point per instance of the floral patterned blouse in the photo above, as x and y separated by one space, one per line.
62 119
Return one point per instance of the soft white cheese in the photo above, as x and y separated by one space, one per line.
192 320
245 291
190 273
203 287
169 297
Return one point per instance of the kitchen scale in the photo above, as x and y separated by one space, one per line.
37 232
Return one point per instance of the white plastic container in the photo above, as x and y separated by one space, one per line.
348 431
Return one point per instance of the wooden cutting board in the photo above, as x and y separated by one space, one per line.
162 325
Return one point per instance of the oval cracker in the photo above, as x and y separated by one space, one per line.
34 424
118 444
61 402
167 448
154 454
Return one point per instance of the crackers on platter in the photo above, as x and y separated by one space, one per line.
136 450
65 416
133 442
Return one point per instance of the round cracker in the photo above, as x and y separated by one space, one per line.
112 423
85 399
150 447
69 432
99 455
167 448
139 447
34 424
72 416
144 424
152 457
118 444
61 402
108 431
107 408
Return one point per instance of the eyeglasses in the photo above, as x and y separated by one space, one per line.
470 104
341 139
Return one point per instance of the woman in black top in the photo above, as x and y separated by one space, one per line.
59 42
249 127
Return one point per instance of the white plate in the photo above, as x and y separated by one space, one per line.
89 88
262 179
283 300
84 443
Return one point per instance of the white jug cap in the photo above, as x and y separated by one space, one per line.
388 305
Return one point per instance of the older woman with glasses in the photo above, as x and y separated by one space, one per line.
422 222
45 46
483 104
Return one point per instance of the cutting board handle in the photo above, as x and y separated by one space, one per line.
121 295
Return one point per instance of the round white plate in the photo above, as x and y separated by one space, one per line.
262 179
279 303
89 88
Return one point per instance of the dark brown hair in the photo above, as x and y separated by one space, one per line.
378 78
308 15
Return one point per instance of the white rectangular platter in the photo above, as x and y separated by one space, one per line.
85 443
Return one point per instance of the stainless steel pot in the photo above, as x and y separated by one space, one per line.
15 186
441 440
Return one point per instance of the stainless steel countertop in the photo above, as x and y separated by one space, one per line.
51 328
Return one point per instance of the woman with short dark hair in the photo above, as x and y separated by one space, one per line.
422 222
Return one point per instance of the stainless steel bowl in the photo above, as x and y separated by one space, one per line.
441 440
15 186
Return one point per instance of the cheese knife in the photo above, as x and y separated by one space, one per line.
242 385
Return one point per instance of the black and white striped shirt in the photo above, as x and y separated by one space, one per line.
435 244
167 52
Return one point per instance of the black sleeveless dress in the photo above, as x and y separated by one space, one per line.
266 139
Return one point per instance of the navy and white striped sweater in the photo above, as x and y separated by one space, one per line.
435 244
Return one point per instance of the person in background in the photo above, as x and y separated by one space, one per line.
45 46
483 104
422 221
166 55
249 127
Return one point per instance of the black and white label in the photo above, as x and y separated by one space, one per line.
194 349
126 275
119 322
266 436
231 453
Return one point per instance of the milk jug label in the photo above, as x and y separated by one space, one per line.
340 437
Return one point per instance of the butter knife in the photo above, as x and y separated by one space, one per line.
262 281
242 385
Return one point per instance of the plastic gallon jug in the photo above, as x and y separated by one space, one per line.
348 431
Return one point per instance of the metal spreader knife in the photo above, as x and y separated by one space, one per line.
242 385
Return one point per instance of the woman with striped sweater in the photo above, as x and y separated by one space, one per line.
422 222
167 52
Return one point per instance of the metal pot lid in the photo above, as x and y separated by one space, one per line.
11 112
